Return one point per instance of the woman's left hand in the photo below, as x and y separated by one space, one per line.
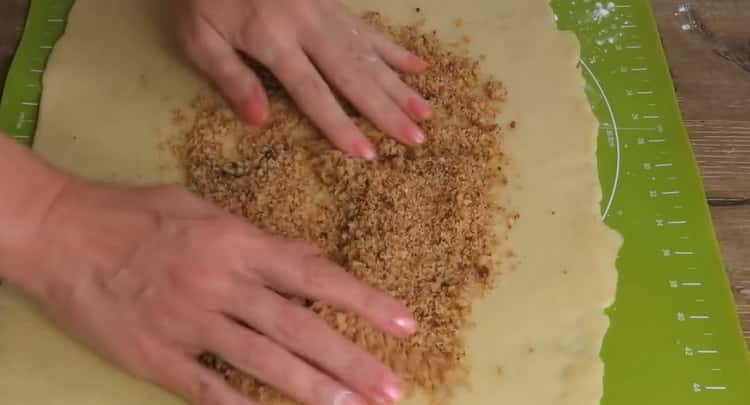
301 42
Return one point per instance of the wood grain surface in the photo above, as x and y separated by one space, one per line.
710 63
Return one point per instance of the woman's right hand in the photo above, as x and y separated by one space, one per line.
151 277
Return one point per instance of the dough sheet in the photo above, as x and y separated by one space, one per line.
115 78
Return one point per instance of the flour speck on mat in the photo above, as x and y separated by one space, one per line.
418 223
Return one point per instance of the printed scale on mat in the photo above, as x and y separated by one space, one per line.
674 334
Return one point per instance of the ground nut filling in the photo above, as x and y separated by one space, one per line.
417 222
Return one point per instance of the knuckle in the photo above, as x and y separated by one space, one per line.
384 109
365 372
204 334
307 12
194 42
193 279
206 390
257 353
221 234
270 48
370 299
388 78
306 83
347 79
227 72
314 272
321 390
291 323
143 359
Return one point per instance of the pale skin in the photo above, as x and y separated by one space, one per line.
150 277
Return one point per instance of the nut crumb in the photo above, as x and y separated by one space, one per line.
415 219
178 117
495 90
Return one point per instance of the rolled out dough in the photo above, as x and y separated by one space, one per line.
109 90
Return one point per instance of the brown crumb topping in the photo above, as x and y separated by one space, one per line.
417 223
495 90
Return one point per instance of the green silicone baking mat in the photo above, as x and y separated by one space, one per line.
674 335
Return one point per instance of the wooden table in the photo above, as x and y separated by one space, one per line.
711 69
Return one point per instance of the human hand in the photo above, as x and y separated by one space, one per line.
152 277
300 40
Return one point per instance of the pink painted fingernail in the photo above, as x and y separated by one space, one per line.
365 150
417 62
392 391
256 109
418 136
406 324
348 398
419 108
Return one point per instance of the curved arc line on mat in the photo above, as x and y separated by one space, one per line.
616 181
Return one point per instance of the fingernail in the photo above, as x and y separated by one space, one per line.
256 109
406 323
392 391
348 398
365 150
417 62
419 137
420 108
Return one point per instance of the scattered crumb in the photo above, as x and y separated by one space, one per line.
513 125
178 117
458 22
499 371
418 9
416 220
143 80
565 272
554 212
495 90
531 350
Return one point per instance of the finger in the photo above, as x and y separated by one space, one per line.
354 77
198 385
304 333
394 55
316 100
314 276
220 62
270 363
409 100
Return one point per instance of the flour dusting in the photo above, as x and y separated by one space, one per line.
603 11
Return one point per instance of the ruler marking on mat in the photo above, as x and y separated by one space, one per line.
628 82
45 23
